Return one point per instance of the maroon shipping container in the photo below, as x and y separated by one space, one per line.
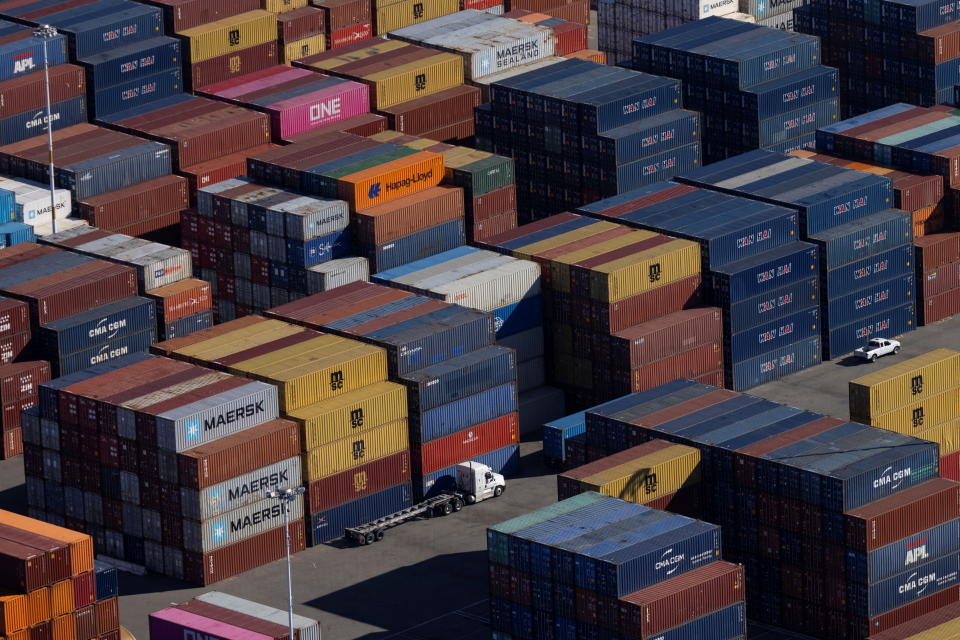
239 453
568 482
903 514
182 299
85 586
939 307
143 227
441 109
301 23
224 168
344 13
950 466
682 599
184 14
13 345
401 217
492 204
576 11
671 334
714 377
26 93
56 554
14 317
108 615
42 631
920 624
937 250
570 37
465 445
360 482
939 280
20 380
886 621
365 124
687 364
207 568
912 192
233 64
140 202
451 132
686 502
496 225
237 619
22 568
12 443
682 294
85 621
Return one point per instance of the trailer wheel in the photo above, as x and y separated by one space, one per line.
370 538
446 508
378 535
457 504
361 540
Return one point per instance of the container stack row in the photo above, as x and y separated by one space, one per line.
579 131
572 11
863 248
352 423
52 587
154 458
345 21
756 87
597 566
938 277
764 321
19 391
844 530
301 32
216 614
261 246
183 304
889 51
487 180
462 388
509 289
918 397
607 291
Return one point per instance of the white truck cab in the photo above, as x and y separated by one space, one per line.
478 482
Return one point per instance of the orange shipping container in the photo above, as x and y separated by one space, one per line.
38 606
13 613
61 598
64 628
19 635
391 180
81 545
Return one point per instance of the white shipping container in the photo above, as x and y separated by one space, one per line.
336 273
33 201
308 217
501 286
309 629
764 10
46 228
240 491
239 524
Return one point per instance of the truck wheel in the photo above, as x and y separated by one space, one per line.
497 492
457 504
447 508
896 350
873 358
471 499
370 538
378 535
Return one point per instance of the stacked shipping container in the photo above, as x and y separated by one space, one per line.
579 131
28 203
155 459
352 422
216 614
462 389
833 521
918 397
651 574
938 276
261 247
756 87
864 257
19 388
183 304
301 33
345 21
52 586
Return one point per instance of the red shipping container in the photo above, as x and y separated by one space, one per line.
688 364
441 109
360 482
570 37
181 299
350 34
12 346
224 168
143 227
884 622
301 23
937 250
84 584
496 225
915 628
492 204
950 466
671 334
344 13
42 631
20 381
466 444
939 280
480 5
233 64
140 202
85 622
26 93
208 568
108 615
12 443
401 217
939 307
682 294
678 600
184 14
14 317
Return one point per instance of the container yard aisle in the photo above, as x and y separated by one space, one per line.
427 580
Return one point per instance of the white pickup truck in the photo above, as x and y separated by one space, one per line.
876 348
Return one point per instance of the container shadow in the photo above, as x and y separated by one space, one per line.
851 361
131 585
14 499
431 600
531 466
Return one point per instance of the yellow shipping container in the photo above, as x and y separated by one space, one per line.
644 271
334 59
925 414
317 369
230 34
303 48
223 346
415 79
905 382
650 476
281 6
947 435
347 453
533 250
949 630
396 15
560 264
353 412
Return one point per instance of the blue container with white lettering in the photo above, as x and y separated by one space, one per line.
643 138
460 414
519 316
330 524
505 461
750 373
770 307
795 91
885 324
89 329
132 62
904 554
114 171
416 246
773 335
806 141
784 127
906 587
306 253
94 28
765 272
862 238
113 348
458 378
106 580
135 93
557 432
34 122
12 233
8 207
187 325
867 302
25 56
661 166
867 272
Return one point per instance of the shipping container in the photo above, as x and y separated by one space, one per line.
174 623
893 322
505 461
906 382
461 446
306 628
240 491
329 525
372 477
360 410
226 35
348 453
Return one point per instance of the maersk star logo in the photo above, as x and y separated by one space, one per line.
216 498
761 6
219 530
192 429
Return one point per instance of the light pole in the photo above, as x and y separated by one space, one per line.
45 32
286 496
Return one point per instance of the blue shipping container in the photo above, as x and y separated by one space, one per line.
96 28
115 171
783 128
768 367
136 93
459 377
33 123
310 252
89 329
517 317
888 324
869 271
807 141
114 348
505 461
329 525
795 91
661 166
186 326
771 336
557 432
644 137
26 56
771 307
894 558
417 246
863 238
106 580
765 272
463 413
12 233
869 301
904 588
132 62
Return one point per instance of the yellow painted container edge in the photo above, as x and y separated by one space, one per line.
946 435
892 387
349 453
947 631
416 79
354 412
924 414
230 34
304 47
236 341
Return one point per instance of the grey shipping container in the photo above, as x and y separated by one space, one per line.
239 491
309 629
